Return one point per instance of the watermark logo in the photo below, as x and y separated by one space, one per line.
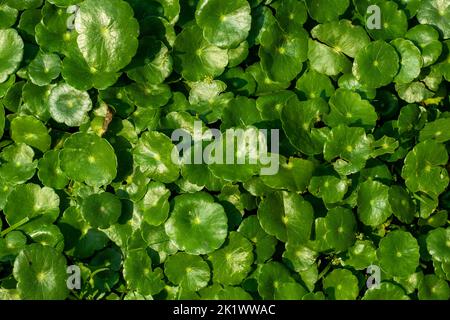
373 17
74 277
374 280
73 11
249 146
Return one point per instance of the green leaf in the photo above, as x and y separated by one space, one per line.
88 158
394 22
376 65
348 149
80 240
294 175
433 288
29 130
8 16
153 154
11 245
299 119
158 240
436 130
138 273
347 107
46 234
200 217
240 112
224 24
327 60
291 14
313 84
109 43
237 155
386 291
427 39
17 164
361 255
398 253
68 105
188 271
402 204
413 92
435 13
328 185
411 60
101 210
283 53
154 206
422 170
30 201
271 277
341 284
438 244
152 63
36 101
263 242
195 58
41 273
326 10
11 52
373 203
44 68
232 263
336 231
77 73
290 291
299 257
342 36
50 173
287 216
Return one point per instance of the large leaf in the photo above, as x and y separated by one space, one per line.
107 34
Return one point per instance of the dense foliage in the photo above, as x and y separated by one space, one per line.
91 94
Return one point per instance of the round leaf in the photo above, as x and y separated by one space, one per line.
376 65
101 210
107 33
155 205
50 172
30 131
138 273
11 52
422 170
286 216
433 288
341 284
438 244
68 105
373 203
188 271
200 217
195 58
44 68
31 201
398 253
436 13
41 273
88 158
233 262
336 231
225 23
153 154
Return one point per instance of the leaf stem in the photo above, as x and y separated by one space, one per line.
325 270
93 274
14 226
